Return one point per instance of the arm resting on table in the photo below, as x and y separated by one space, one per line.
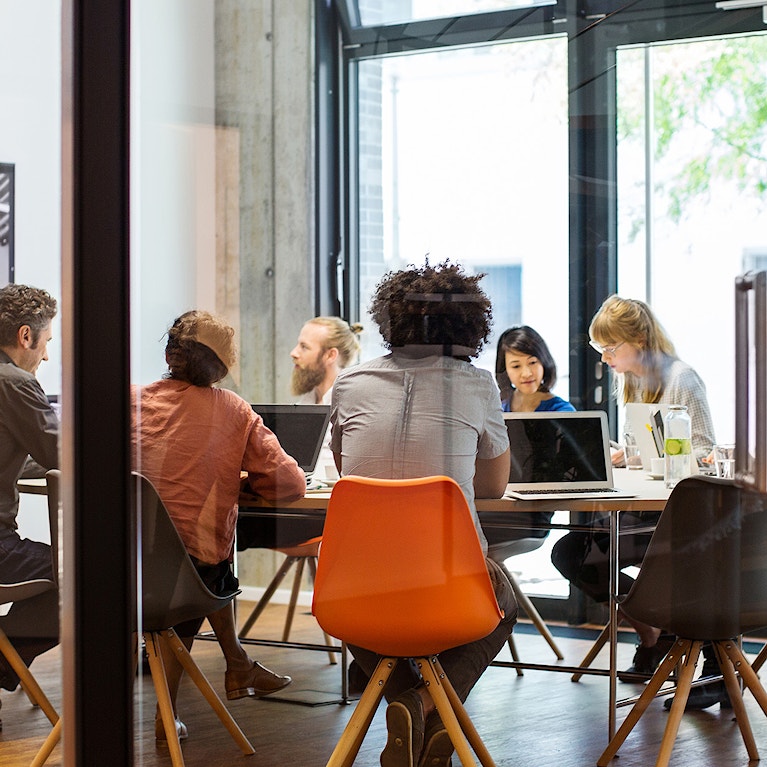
492 475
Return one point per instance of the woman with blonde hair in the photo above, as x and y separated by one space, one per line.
634 344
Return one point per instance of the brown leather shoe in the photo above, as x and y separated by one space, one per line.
255 682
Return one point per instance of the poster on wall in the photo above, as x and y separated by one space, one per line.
6 223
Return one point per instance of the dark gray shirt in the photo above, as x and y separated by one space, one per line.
28 427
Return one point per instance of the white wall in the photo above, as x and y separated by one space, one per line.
30 139
173 172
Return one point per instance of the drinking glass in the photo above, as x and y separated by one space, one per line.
724 461
631 451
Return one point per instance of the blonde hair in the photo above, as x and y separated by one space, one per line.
341 336
627 320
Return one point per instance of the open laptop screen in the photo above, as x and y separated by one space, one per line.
558 449
299 428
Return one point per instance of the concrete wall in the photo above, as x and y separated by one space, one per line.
265 119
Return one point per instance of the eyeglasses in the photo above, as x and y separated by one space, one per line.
608 350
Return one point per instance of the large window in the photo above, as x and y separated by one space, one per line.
568 151
442 176
692 196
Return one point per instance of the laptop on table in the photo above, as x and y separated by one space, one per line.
560 455
645 421
300 430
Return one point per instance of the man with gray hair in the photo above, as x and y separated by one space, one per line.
29 432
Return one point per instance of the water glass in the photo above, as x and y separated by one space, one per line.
631 452
724 461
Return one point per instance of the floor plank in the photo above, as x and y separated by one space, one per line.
539 719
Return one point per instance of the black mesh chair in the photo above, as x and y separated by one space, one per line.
173 593
703 578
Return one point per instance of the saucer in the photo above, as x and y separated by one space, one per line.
652 475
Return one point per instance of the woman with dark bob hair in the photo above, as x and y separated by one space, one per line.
526 372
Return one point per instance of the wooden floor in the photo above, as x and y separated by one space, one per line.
536 720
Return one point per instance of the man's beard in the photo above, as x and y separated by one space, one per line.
304 380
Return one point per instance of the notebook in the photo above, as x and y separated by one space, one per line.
560 455
299 428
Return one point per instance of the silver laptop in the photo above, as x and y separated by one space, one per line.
560 455
300 430
645 421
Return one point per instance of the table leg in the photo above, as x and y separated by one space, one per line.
613 622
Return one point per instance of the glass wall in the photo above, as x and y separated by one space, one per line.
460 147
692 201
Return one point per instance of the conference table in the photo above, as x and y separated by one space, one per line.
648 495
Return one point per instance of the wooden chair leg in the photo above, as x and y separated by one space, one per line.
28 682
164 703
328 638
736 697
349 743
294 592
457 722
267 595
526 604
203 685
680 648
747 673
599 643
514 653
41 757
760 658
678 705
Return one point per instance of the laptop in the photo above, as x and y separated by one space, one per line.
645 421
299 428
560 455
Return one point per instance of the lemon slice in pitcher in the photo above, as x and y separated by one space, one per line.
677 447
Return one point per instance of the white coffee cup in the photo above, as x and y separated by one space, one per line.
657 466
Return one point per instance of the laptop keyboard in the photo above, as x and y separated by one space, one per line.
568 490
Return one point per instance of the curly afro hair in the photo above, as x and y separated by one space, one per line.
432 305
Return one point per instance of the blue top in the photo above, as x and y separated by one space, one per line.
549 405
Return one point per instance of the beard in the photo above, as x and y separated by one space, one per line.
303 380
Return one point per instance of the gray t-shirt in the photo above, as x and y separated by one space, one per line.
399 417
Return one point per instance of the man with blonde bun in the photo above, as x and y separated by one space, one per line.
325 346
192 440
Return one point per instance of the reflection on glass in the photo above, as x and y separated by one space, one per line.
388 12
692 197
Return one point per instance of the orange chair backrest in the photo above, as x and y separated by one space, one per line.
401 571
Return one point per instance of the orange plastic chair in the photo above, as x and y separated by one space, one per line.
401 573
